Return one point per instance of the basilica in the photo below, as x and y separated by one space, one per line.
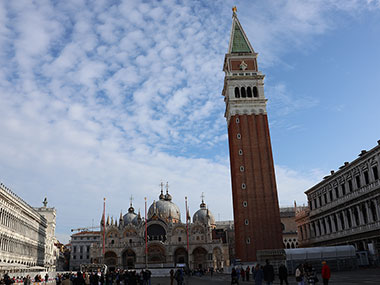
162 240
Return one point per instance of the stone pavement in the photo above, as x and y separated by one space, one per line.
357 277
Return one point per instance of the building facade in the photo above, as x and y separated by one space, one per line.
168 242
344 208
81 248
25 234
254 192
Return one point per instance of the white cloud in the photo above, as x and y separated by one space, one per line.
107 100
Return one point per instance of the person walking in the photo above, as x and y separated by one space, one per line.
247 270
299 275
242 273
326 273
283 274
268 273
234 276
258 275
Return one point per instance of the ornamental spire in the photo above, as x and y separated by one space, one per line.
239 42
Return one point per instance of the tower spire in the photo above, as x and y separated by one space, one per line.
239 42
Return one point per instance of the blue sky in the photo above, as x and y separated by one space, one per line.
108 99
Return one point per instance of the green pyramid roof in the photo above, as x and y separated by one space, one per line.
239 43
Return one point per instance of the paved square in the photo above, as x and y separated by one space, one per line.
357 277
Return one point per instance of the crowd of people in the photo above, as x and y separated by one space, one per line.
26 280
304 274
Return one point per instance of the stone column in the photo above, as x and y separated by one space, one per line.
369 212
333 225
353 221
326 219
346 225
361 219
339 223
377 207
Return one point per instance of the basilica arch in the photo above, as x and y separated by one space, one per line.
180 256
110 259
200 258
217 257
156 254
128 259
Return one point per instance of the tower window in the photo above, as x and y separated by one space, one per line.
246 222
249 92
242 168
336 192
237 92
238 136
255 92
248 241
237 121
243 186
242 90
245 204
240 152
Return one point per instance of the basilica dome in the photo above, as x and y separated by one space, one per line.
130 217
165 209
203 215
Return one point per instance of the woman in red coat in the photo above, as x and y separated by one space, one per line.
326 273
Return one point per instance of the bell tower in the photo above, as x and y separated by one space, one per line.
254 194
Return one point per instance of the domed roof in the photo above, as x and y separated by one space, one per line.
165 209
203 215
130 216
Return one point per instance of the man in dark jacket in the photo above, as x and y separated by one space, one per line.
283 274
268 273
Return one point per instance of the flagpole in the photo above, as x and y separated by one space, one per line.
187 227
104 224
146 238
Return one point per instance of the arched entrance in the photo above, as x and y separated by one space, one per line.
156 254
217 257
199 258
110 259
180 256
129 259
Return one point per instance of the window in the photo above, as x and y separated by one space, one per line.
74 249
364 211
350 185
241 168
255 92
240 152
331 195
366 177
320 201
179 239
237 121
249 92
315 203
238 136
87 257
375 172
357 178
130 240
88 248
246 222
243 186
74 257
343 189
81 249
245 204
237 92
248 241
242 90
336 192
81 257
325 197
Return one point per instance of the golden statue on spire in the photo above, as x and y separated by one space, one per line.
234 9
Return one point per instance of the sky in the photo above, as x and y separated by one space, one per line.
109 98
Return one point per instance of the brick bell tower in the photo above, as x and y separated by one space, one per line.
256 210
